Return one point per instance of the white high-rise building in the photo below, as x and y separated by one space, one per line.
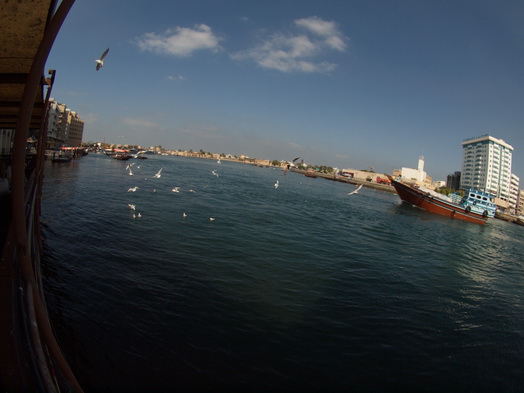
486 165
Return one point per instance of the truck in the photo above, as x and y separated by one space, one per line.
381 180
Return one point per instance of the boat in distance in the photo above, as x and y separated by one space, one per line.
61 157
475 206
121 154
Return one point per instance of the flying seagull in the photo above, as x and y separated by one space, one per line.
356 191
100 62
133 189
214 173
276 184
289 164
158 174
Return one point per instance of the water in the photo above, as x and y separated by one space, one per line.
299 288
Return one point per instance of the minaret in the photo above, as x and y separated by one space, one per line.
420 168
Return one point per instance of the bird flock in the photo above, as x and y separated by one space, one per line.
178 189
133 207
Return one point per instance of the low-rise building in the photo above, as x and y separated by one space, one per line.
417 175
520 204
513 193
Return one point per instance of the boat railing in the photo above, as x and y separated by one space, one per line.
32 358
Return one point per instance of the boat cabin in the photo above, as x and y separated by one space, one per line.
479 202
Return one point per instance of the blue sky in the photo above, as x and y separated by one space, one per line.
350 84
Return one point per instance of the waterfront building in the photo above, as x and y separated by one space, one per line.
520 203
76 129
513 193
453 180
486 165
64 127
417 175
54 141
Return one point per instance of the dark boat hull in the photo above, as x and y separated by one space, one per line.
435 205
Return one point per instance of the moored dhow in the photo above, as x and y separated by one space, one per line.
475 206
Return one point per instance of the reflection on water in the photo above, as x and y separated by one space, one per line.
291 288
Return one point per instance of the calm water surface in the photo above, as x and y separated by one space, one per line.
295 288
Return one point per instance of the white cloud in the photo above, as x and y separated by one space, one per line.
138 123
295 146
89 118
180 41
326 29
179 77
206 132
298 52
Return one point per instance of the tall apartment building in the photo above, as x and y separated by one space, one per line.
486 165
75 129
54 140
453 180
64 128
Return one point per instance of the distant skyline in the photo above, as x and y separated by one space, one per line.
340 83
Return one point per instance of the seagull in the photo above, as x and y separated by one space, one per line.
130 171
214 173
184 215
288 165
356 191
154 190
276 184
212 218
100 62
131 206
176 189
139 215
191 190
133 189
158 174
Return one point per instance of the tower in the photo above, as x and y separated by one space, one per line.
486 165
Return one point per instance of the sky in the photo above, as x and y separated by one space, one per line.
348 84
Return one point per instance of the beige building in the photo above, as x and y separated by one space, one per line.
513 193
64 127
363 175
520 203
76 130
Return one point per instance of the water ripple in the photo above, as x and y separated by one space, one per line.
295 288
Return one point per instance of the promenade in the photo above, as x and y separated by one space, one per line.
343 179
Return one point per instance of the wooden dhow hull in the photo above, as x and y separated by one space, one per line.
415 197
